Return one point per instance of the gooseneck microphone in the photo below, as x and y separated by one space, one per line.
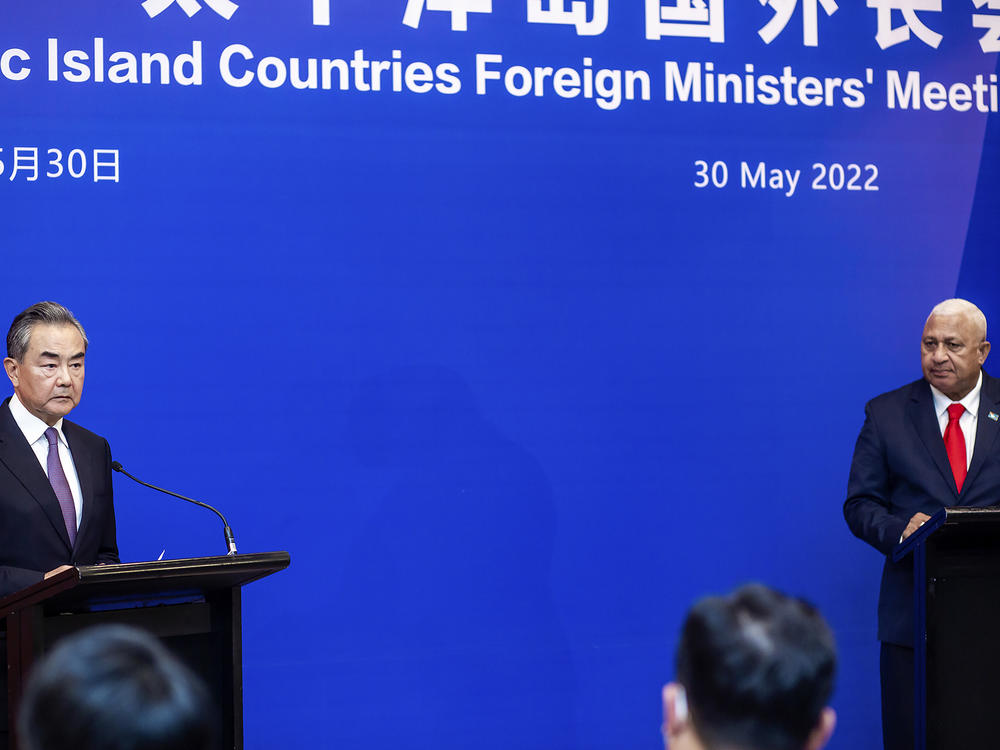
230 539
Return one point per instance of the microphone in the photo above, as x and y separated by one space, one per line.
230 539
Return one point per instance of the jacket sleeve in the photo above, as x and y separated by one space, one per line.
14 579
867 508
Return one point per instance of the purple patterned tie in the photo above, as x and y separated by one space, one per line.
57 478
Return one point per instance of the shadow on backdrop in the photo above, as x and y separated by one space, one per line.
446 634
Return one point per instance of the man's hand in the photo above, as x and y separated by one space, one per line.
915 523
57 571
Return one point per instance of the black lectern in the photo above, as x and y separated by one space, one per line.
192 606
956 601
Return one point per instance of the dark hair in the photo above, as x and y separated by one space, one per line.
47 313
114 688
758 668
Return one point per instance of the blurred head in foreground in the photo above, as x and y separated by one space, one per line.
754 671
114 688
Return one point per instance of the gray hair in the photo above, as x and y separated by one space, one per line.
45 313
962 307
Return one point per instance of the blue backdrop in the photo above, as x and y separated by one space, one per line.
513 377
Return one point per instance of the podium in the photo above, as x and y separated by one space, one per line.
956 600
193 606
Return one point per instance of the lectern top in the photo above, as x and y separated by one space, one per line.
145 582
949 522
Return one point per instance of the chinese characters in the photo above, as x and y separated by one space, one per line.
224 8
26 165
895 21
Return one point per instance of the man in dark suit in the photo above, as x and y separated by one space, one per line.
55 477
928 445
56 506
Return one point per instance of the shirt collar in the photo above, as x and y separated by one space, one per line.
31 426
970 401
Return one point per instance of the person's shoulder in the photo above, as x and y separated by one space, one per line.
991 386
75 431
7 423
898 397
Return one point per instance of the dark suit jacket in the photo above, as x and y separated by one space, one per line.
900 467
33 536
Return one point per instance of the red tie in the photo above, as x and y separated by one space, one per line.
954 443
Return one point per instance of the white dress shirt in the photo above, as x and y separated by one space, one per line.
969 419
34 432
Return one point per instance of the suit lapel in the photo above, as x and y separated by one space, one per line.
921 410
986 428
84 471
17 456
